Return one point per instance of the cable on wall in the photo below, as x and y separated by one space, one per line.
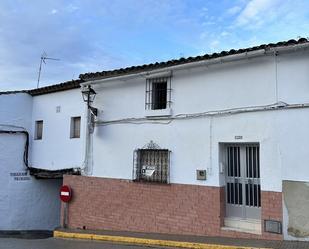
26 147
224 112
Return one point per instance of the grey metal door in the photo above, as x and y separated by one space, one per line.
243 191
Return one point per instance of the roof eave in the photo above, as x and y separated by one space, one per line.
124 73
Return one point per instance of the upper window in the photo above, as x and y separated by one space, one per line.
75 127
38 129
158 93
151 164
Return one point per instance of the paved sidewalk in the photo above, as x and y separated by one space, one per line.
186 240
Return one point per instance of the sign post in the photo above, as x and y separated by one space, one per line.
65 196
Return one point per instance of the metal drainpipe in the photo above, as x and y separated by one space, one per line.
86 168
276 77
210 146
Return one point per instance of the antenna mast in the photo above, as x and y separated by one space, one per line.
43 59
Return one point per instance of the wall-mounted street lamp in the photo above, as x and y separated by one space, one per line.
88 96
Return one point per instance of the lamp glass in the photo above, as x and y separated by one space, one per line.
88 94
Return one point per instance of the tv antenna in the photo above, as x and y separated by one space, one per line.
43 59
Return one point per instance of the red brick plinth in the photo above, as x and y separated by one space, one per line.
113 204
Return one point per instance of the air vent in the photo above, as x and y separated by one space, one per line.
273 226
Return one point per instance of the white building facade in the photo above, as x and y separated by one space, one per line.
205 146
213 145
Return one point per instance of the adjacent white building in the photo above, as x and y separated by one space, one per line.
31 169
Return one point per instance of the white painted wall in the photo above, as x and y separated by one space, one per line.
34 204
281 134
194 143
27 204
57 150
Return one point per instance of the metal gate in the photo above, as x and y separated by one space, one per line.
243 190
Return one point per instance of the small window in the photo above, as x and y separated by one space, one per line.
158 93
75 127
151 165
38 129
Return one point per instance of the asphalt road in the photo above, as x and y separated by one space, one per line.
54 243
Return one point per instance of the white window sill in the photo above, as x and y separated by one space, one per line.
158 113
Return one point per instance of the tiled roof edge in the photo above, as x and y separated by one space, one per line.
73 84
68 85
13 92
159 65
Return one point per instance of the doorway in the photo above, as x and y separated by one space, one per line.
242 178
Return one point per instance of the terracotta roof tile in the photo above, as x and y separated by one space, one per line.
156 65
148 67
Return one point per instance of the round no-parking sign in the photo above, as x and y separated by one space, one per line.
65 193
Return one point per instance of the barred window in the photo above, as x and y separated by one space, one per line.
158 93
151 165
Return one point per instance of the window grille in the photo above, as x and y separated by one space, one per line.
243 175
38 129
158 93
151 164
75 127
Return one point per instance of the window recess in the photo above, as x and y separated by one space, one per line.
158 93
38 134
75 127
151 164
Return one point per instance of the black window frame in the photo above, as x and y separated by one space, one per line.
158 93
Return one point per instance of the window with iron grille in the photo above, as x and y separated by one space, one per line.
75 127
151 165
158 93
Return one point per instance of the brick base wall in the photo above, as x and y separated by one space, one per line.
113 204
271 210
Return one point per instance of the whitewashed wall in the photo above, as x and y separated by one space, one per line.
56 150
194 143
281 134
25 203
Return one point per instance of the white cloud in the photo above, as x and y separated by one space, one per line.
208 23
214 45
72 8
203 35
255 12
102 34
234 10
224 33
54 11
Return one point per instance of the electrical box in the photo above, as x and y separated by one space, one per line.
273 226
201 174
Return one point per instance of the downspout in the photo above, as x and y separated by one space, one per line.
87 164
276 77
209 169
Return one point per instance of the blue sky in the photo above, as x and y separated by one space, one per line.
96 35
